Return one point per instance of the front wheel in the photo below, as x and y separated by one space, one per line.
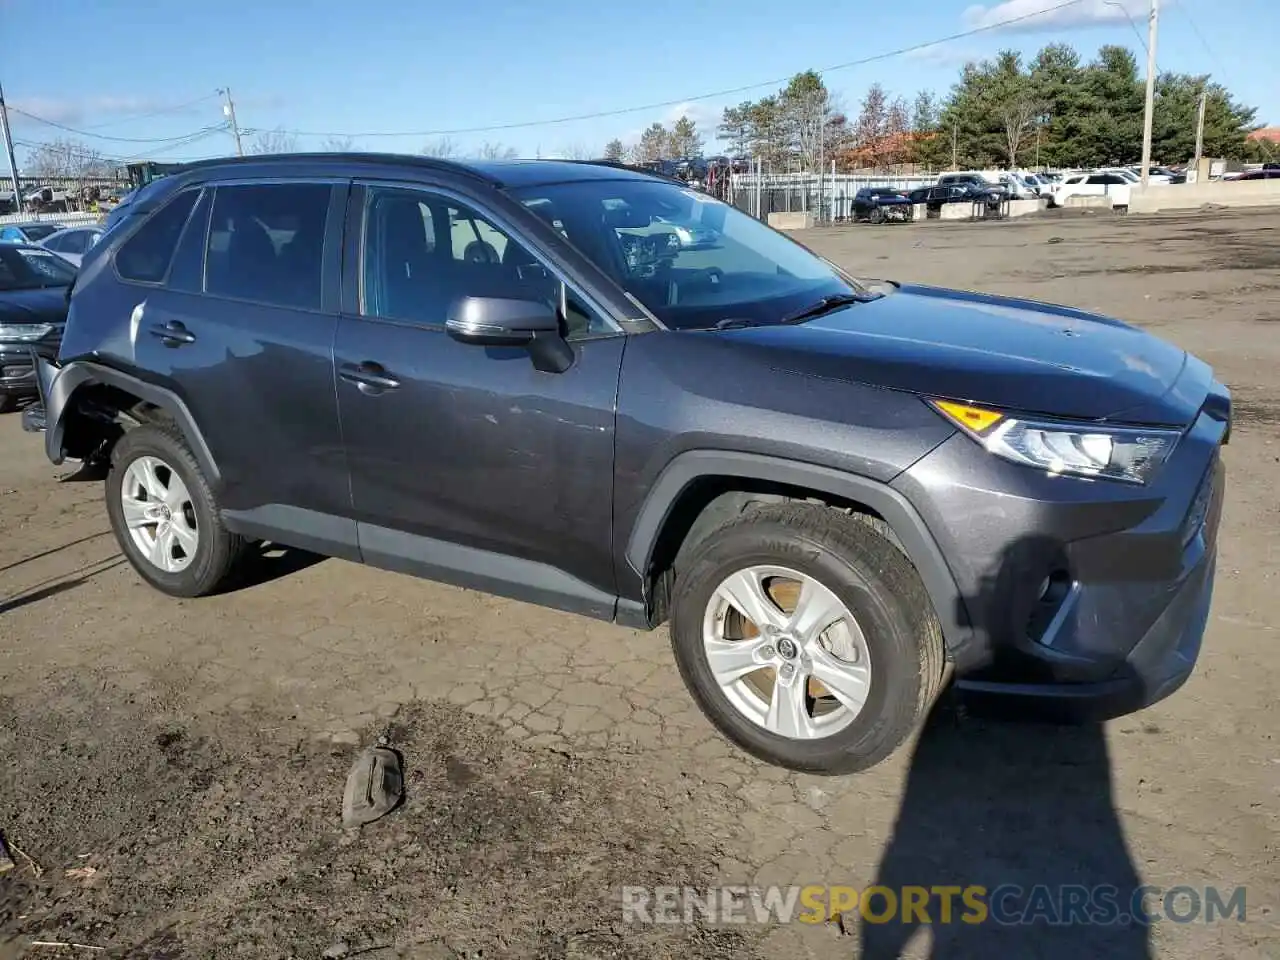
807 638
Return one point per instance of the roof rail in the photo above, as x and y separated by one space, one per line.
431 163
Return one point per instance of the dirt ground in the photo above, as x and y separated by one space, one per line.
186 759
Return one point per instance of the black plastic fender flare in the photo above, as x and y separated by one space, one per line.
916 540
58 385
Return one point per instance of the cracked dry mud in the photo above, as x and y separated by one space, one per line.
193 753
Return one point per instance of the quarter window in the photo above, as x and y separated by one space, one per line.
266 243
145 256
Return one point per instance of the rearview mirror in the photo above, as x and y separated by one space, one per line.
505 322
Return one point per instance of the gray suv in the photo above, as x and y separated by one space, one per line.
515 377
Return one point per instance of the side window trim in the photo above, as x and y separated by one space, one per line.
567 286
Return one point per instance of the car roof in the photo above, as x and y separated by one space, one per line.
498 173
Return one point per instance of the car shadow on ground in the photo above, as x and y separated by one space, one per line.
1024 810
271 561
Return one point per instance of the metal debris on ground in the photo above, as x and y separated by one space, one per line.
83 874
336 951
375 787
67 945
7 862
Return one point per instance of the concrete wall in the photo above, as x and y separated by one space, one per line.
1191 196
791 221
1016 208
1102 203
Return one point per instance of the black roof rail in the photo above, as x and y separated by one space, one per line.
430 163
633 167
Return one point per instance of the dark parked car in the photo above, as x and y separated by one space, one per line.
837 492
1258 175
938 194
33 306
879 204
32 232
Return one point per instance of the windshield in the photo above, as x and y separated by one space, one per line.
38 231
22 268
739 270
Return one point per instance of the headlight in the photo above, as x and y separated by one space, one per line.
24 331
1131 454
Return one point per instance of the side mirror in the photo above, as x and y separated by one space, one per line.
504 322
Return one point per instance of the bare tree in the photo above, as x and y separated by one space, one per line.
1018 116
273 141
337 145
869 130
441 147
496 151
615 150
578 151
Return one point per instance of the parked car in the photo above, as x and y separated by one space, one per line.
938 194
1257 175
879 204
832 489
1112 185
977 179
33 306
73 242
32 232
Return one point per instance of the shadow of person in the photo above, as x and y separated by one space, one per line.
1024 811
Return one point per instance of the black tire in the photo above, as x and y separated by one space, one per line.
877 215
218 552
878 585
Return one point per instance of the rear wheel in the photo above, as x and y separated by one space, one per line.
807 638
164 515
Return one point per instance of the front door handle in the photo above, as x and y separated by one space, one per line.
173 334
369 377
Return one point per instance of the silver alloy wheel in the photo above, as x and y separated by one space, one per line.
158 511
786 652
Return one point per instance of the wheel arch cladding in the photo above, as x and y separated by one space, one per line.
915 540
82 375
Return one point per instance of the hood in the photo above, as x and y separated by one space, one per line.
997 351
46 305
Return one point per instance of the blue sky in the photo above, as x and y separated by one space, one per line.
335 66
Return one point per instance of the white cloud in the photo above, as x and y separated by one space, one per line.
1082 14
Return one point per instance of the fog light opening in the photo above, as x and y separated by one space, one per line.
1053 591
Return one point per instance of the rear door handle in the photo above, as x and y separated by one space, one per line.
371 378
173 334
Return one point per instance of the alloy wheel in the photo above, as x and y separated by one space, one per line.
786 652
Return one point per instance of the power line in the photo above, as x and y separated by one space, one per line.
601 114
98 136
1200 36
177 108
190 139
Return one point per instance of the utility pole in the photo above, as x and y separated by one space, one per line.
8 147
955 139
1152 26
1204 96
229 111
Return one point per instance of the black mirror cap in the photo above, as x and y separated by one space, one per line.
500 321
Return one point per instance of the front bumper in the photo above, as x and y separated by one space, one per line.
17 366
1131 568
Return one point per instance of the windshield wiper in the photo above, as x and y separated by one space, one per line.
826 305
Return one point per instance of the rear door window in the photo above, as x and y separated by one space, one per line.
145 256
266 243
